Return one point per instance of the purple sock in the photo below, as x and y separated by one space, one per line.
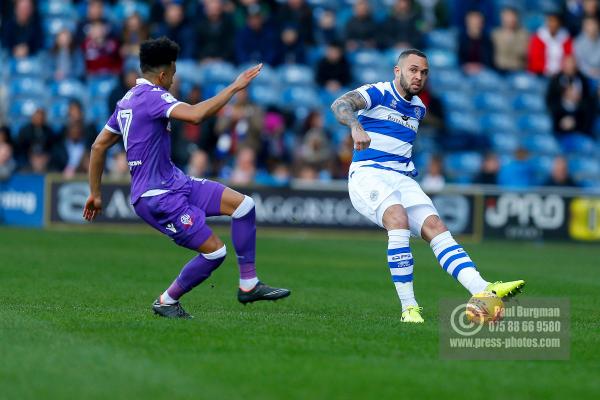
197 270
243 235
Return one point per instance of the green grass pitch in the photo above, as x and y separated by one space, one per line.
75 321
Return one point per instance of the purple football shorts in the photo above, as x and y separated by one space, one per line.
181 213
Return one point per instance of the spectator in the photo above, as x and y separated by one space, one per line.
570 100
7 162
65 60
292 48
37 161
245 167
587 49
274 144
198 165
560 174
510 41
5 135
101 52
361 29
94 14
333 70
257 41
549 46
576 11
75 115
36 134
127 80
135 32
298 14
433 180
315 150
242 122
307 173
175 28
518 173
401 28
344 157
326 31
119 169
216 33
489 170
434 14
68 154
460 9
475 49
22 32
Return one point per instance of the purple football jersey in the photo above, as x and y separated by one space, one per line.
142 118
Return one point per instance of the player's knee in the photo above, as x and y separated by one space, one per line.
246 206
211 245
432 226
395 218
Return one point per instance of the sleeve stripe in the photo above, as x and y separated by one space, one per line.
172 107
108 128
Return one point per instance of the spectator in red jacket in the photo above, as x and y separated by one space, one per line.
548 47
101 52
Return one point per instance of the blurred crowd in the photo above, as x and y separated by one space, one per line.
254 141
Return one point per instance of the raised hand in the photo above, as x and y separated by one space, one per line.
244 79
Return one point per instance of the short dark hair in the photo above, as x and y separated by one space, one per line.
156 53
408 52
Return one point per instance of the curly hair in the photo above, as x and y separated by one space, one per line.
156 53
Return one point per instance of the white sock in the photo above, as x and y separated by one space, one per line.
248 284
166 299
455 260
400 261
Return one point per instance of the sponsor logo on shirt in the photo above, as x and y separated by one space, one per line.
171 227
135 163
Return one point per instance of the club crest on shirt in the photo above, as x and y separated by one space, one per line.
418 112
374 195
168 97
393 103
187 221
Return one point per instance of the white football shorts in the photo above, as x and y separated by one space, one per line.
373 190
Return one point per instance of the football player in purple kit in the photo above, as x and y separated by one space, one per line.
162 195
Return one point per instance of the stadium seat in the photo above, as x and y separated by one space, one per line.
218 72
30 66
70 89
188 70
57 112
543 143
535 123
461 122
23 108
505 142
364 74
529 103
295 74
533 20
580 144
263 95
584 169
541 166
97 113
439 59
124 9
211 89
365 58
457 100
443 39
100 87
445 80
486 79
300 96
462 167
498 122
492 101
526 82
27 88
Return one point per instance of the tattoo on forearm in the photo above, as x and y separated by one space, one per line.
346 106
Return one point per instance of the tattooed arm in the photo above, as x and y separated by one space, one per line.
344 108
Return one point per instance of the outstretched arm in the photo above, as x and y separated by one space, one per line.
105 140
344 108
197 113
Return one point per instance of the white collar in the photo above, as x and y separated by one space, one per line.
143 81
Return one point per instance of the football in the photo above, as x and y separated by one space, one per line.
484 307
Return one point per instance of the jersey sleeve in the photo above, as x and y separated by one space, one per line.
161 104
113 124
371 94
